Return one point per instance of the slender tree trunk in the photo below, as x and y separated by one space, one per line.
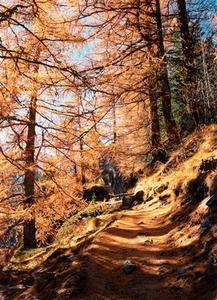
81 148
76 172
83 177
207 91
29 230
154 118
114 125
171 127
152 82
189 62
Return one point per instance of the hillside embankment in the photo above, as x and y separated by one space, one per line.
164 248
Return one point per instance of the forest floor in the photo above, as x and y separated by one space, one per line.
162 249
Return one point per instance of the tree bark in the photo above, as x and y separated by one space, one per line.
29 230
83 177
171 127
189 62
146 33
154 118
81 147
114 125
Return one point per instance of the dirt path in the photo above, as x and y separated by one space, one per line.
170 260
146 238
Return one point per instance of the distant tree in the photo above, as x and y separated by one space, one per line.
170 123
188 48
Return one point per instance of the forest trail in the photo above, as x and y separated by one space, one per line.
166 237
170 240
146 238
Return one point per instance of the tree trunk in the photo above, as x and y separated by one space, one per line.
29 230
114 125
83 177
170 123
147 38
154 118
189 62
81 147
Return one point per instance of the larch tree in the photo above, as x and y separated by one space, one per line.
38 53
188 48
190 28
124 75
29 230
170 123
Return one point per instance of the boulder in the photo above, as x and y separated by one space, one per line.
208 165
96 193
128 267
138 197
196 190
129 201
160 155
212 202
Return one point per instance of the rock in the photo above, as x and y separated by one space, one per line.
178 190
160 155
43 278
213 259
181 270
212 202
210 219
19 287
141 234
130 182
196 190
92 224
28 281
97 193
149 198
127 202
62 291
128 267
206 224
163 198
160 189
138 197
208 165
147 242
213 186
140 223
